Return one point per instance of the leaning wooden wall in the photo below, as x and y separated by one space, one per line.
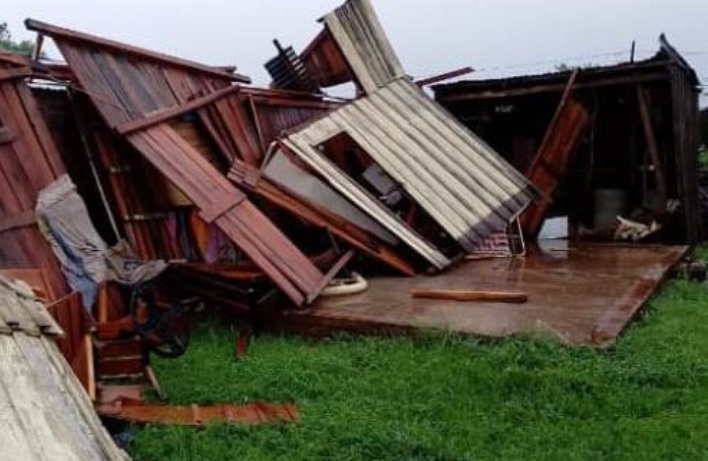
29 161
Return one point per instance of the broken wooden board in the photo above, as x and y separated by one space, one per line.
566 131
138 412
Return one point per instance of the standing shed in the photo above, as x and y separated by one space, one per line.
513 115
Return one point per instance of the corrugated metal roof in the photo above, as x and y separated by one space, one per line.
358 32
667 55
45 415
460 181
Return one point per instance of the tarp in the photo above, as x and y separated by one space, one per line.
85 258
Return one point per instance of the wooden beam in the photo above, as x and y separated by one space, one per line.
210 215
13 74
653 147
173 112
14 59
75 36
560 143
17 221
443 77
37 50
297 104
570 86
343 261
471 295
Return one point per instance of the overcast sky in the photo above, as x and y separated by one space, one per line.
503 37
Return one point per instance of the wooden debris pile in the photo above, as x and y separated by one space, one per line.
254 192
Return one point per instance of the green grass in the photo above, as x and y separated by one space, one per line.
703 158
444 398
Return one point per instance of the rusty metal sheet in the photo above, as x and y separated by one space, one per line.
560 281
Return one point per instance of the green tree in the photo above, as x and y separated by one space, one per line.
8 44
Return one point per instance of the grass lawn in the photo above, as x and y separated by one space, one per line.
444 398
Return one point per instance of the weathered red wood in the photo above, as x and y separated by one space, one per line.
41 131
139 412
60 32
284 263
27 165
17 221
553 161
112 81
569 124
167 114
13 74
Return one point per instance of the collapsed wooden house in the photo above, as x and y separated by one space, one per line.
444 190
172 129
626 138
253 193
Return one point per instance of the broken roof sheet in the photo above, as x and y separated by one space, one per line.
358 32
44 412
460 182
468 189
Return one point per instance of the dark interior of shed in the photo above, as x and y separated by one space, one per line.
612 172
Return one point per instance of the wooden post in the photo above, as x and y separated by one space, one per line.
650 136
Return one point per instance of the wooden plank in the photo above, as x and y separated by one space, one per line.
41 131
331 274
61 33
444 76
565 132
7 135
17 221
167 114
652 145
472 295
13 74
120 367
559 110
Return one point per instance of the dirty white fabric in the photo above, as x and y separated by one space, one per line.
85 258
